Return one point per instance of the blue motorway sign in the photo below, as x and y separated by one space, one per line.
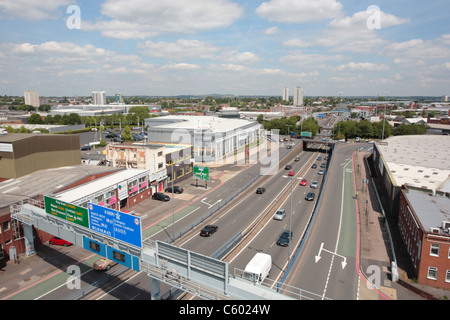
118 225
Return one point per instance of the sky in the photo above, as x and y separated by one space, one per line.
200 47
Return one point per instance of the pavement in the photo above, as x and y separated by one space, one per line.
375 249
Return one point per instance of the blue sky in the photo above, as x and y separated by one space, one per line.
182 47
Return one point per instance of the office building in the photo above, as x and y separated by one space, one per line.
32 98
298 96
98 97
286 94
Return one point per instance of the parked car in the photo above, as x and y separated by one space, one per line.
208 230
160 196
323 165
176 189
320 172
319 158
303 182
85 147
59 242
284 238
310 196
280 214
288 167
291 173
314 184
289 147
260 190
314 166
104 264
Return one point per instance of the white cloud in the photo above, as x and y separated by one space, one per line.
362 66
299 11
32 10
300 59
141 19
178 50
240 58
272 30
180 66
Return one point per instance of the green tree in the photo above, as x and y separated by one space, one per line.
126 135
35 119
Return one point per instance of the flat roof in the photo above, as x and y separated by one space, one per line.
431 210
97 185
212 123
421 161
44 182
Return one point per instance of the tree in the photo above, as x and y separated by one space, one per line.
126 135
35 119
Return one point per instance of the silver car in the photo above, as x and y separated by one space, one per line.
314 185
280 214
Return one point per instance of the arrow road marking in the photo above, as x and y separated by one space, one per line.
210 205
317 258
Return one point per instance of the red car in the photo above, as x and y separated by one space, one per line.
59 242
291 173
303 182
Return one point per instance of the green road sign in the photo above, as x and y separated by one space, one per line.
201 173
67 211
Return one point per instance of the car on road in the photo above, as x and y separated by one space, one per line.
160 196
320 172
314 166
310 196
208 230
323 165
85 147
314 184
260 190
59 242
176 189
104 264
291 173
284 238
303 182
297 159
288 167
319 158
280 214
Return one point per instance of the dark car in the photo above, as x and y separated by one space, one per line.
319 158
160 196
86 147
310 196
323 165
284 239
260 190
297 159
288 167
314 166
176 189
208 230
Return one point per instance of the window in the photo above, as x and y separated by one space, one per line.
447 276
434 250
432 273
6 226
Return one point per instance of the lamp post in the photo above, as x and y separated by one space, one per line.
173 206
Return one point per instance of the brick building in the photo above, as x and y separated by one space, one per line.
424 224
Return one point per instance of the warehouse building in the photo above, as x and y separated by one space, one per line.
212 137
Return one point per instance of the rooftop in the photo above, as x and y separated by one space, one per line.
212 123
420 160
45 182
431 210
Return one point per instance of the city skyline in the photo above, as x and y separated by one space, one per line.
154 48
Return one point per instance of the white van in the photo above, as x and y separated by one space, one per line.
258 268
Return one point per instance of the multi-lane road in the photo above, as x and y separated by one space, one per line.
325 265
